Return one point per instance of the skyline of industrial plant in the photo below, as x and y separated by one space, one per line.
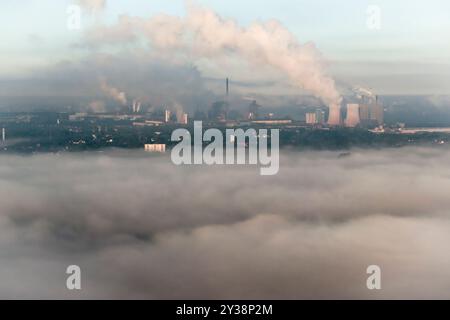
204 150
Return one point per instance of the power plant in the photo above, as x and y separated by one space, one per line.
353 118
253 110
364 110
334 117
136 107
315 118
219 109
167 115
184 119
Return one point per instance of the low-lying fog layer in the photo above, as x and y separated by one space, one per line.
140 227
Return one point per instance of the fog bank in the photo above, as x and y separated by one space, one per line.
140 227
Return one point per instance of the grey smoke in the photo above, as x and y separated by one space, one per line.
113 92
153 81
140 227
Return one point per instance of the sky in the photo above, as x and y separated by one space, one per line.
408 53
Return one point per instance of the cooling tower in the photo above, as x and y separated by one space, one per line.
352 119
334 118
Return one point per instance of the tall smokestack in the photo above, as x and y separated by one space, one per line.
166 116
227 87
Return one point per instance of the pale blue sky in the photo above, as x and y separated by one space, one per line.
414 33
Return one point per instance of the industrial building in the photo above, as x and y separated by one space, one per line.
159 148
353 116
272 121
371 111
315 118
377 113
167 115
311 118
184 119
320 116
253 111
334 117
371 114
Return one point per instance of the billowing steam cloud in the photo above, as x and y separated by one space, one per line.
97 106
202 34
140 227
112 92
179 111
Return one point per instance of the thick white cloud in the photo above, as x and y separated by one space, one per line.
140 227
203 37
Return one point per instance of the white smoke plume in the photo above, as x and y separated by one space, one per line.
97 106
114 93
202 34
179 111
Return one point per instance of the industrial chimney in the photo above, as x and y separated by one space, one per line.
227 87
